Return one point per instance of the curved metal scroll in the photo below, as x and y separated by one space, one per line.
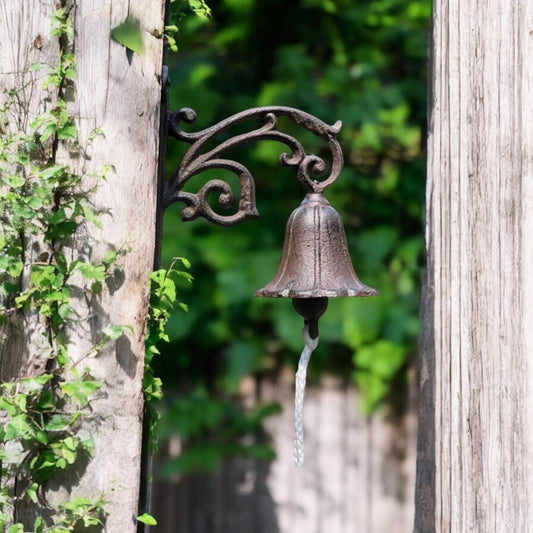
195 162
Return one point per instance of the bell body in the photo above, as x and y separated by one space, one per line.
315 262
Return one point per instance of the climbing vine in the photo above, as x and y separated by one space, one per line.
178 10
43 203
163 298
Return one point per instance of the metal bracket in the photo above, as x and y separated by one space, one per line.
196 160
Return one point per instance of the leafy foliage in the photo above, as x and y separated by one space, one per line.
196 417
211 429
364 63
163 297
178 10
42 205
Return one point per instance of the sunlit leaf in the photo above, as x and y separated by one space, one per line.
147 519
129 34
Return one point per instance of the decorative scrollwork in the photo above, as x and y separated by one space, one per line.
195 161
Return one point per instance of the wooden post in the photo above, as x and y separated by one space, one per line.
475 444
118 91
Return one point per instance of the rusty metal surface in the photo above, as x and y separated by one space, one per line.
315 261
307 166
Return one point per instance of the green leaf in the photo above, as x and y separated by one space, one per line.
43 276
15 268
64 310
129 34
147 519
109 258
16 181
81 390
68 132
32 494
41 436
46 401
39 523
58 423
65 451
77 503
8 406
21 402
200 8
92 271
37 66
55 171
186 263
184 275
96 287
48 131
18 427
383 358
115 332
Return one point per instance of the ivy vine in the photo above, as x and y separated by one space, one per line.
42 204
163 298
178 10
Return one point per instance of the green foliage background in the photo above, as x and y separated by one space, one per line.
363 62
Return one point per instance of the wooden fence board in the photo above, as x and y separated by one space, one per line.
358 477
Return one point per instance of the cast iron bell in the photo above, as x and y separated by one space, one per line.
315 264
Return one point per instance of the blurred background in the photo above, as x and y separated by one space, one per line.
225 451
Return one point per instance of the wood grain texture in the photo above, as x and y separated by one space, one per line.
22 335
474 451
120 93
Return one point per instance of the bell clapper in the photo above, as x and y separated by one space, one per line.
299 393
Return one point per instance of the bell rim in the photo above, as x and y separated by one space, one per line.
316 293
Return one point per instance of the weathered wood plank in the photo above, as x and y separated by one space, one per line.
358 474
120 93
474 464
